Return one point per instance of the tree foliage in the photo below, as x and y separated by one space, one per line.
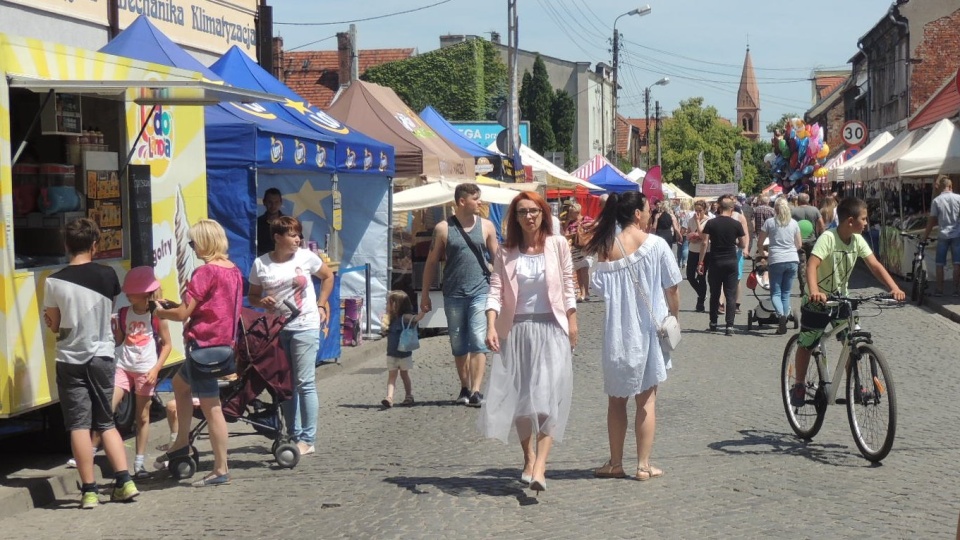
563 119
537 107
779 124
696 128
466 81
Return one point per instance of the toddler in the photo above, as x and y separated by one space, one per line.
399 314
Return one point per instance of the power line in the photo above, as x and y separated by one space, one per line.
311 43
728 65
421 8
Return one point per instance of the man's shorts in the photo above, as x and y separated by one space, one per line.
951 244
814 319
201 387
403 364
125 380
86 394
467 324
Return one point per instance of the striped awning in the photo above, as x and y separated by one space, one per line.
593 166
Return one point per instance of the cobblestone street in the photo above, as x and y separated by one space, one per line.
733 467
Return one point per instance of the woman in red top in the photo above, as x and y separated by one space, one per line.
576 224
211 309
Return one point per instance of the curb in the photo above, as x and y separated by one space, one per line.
45 479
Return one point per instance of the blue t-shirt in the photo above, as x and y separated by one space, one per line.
393 336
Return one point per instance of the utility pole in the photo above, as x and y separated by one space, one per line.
658 135
616 64
646 122
513 116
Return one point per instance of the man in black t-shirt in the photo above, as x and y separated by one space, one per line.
272 202
722 236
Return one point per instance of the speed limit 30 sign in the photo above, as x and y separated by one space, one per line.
854 133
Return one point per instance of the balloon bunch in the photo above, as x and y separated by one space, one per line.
799 154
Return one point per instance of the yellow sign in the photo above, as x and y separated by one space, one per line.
94 11
337 211
202 24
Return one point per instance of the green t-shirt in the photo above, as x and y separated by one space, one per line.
837 260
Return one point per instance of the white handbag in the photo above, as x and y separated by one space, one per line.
668 331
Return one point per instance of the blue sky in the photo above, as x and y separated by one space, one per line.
699 44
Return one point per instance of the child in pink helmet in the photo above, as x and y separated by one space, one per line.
143 345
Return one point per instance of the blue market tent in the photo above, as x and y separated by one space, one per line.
488 162
610 180
364 168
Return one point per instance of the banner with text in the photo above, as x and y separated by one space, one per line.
716 190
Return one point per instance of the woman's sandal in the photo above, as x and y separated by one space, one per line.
407 401
648 473
609 470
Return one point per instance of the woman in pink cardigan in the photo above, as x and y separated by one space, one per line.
532 328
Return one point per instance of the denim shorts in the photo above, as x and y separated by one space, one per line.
467 324
945 244
201 387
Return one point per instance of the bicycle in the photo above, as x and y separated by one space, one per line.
918 271
869 385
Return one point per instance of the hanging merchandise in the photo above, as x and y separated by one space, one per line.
798 157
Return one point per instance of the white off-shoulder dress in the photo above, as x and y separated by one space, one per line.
632 359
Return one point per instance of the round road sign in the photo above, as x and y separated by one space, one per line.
854 133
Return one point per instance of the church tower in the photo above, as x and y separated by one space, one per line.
748 100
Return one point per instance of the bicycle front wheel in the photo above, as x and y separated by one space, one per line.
921 285
805 413
871 402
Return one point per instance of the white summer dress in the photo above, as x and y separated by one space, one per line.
632 360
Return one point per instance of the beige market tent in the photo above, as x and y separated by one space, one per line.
882 164
441 192
677 192
844 173
938 152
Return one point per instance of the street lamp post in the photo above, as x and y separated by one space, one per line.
640 12
646 113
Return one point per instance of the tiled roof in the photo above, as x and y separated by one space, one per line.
943 104
827 84
315 75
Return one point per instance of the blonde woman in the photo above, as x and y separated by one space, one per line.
783 258
683 250
829 212
211 310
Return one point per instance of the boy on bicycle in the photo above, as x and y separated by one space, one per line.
829 269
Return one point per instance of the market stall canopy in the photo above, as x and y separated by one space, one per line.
487 162
610 179
671 191
844 173
356 153
519 186
938 152
420 152
883 163
441 192
187 92
547 173
636 174
593 166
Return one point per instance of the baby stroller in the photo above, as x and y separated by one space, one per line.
764 312
262 367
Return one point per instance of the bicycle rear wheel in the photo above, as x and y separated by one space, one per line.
805 419
871 402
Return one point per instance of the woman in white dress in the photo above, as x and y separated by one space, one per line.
633 362
532 328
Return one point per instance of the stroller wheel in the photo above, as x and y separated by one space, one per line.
796 320
749 320
182 467
287 455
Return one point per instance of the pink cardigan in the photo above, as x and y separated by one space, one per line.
560 288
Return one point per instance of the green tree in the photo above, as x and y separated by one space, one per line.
466 81
537 95
695 128
779 124
563 119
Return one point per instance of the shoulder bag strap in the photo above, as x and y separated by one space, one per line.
640 290
473 247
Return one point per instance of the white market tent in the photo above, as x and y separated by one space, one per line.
441 192
844 173
882 164
938 152
636 174
546 172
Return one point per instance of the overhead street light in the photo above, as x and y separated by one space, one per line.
640 12
646 108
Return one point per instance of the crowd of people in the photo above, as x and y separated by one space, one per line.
517 300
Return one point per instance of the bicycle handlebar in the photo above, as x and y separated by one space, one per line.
917 238
837 299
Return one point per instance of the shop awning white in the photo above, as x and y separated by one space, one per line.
182 92
844 173
883 164
441 192
938 152
547 172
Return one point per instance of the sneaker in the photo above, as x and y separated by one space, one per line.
476 400
71 463
782 328
700 307
464 397
798 395
728 331
141 473
89 500
712 327
123 493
